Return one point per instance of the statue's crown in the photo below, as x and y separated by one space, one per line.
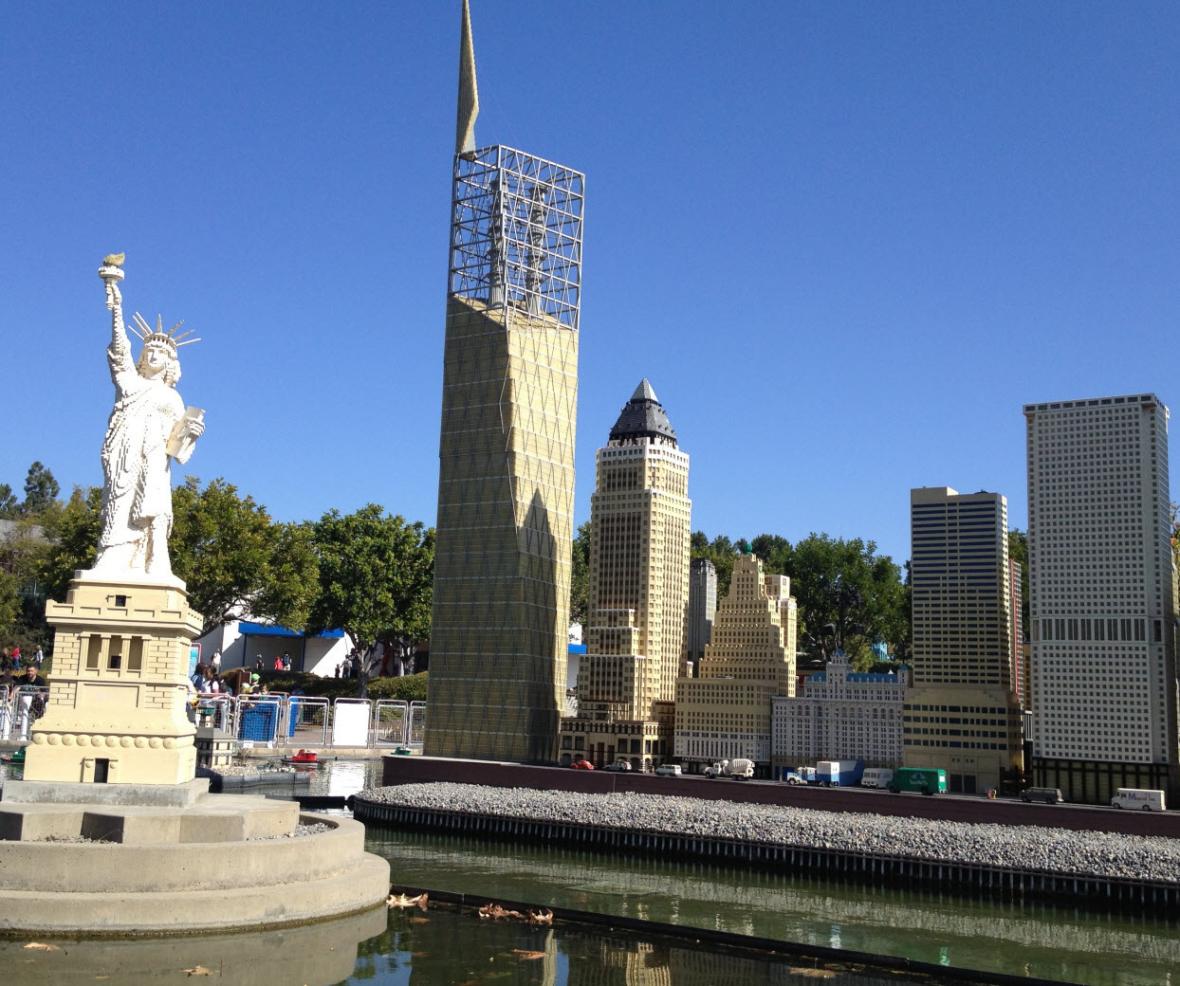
172 338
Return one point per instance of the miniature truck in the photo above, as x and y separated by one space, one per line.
739 769
839 773
925 780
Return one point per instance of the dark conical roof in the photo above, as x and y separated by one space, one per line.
643 416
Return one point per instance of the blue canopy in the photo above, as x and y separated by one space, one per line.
268 630
577 649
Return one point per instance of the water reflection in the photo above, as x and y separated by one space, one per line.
315 954
443 948
1051 942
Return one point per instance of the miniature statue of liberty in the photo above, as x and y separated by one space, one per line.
148 427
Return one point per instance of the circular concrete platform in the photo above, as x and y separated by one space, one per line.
105 888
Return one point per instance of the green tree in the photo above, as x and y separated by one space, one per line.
234 560
580 576
41 490
9 508
720 551
849 596
72 533
775 551
376 576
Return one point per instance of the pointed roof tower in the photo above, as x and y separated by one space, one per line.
643 416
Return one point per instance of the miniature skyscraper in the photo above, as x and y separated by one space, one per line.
506 451
640 522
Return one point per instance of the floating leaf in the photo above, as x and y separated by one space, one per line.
36 946
197 970
523 953
811 973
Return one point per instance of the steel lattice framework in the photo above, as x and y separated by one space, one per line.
516 233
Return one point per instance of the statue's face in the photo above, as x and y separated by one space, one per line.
154 360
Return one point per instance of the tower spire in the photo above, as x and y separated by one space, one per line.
468 108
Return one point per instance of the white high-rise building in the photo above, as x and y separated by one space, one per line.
1102 608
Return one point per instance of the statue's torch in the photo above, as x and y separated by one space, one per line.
112 267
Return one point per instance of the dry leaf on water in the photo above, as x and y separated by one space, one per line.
419 920
522 953
197 970
36 946
811 973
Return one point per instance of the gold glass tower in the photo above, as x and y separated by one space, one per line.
506 469
640 518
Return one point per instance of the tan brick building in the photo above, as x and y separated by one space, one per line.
726 711
506 469
640 517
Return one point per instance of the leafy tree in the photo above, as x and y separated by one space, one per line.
234 560
776 553
41 490
9 508
22 592
720 551
72 533
376 575
849 596
580 576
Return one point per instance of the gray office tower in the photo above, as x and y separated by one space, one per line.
702 606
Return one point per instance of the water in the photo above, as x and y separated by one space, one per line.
432 948
1052 942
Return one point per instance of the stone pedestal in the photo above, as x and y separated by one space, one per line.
117 695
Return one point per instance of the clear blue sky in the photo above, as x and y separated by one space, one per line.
846 242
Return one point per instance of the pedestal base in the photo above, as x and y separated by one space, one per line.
146 795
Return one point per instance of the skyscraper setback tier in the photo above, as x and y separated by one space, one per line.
506 459
726 712
1102 607
962 714
640 524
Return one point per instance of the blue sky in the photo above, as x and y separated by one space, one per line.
846 242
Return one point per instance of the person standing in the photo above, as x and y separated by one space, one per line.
39 658
216 663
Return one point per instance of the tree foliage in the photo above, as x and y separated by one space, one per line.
8 504
376 576
235 560
849 596
41 490
580 576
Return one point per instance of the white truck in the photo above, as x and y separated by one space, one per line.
876 777
739 769
1144 800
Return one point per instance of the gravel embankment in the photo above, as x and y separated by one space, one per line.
1011 846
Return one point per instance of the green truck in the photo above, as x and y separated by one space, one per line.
926 780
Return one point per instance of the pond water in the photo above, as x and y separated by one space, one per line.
436 947
1051 942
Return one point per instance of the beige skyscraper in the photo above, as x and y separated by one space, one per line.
640 518
506 469
1102 605
962 713
727 712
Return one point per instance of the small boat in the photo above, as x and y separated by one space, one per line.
306 758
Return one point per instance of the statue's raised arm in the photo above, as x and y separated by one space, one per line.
148 427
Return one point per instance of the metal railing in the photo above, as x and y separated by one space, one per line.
274 720
391 722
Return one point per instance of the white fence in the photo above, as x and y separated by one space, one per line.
274 720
